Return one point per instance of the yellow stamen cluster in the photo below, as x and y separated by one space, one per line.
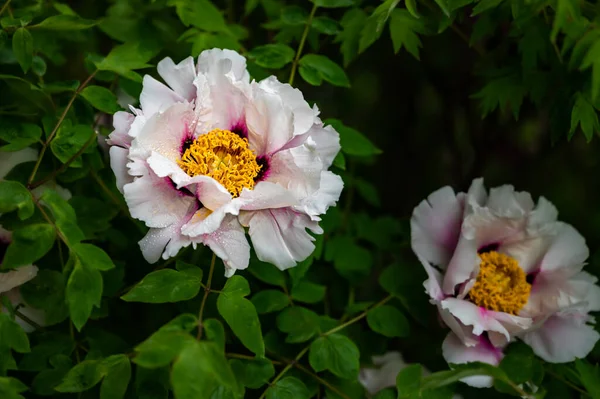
224 156
501 284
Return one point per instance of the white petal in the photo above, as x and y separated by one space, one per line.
562 339
155 200
376 379
118 163
567 249
463 266
164 133
298 170
156 97
484 320
435 226
327 195
433 283
17 277
206 221
122 123
266 195
180 77
507 202
455 352
229 243
223 62
279 236
545 212
8 160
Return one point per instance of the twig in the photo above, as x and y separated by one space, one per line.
206 292
5 6
301 45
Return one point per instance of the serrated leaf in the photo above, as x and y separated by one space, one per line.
22 45
505 92
352 24
240 314
374 25
404 29
585 115
164 286
336 353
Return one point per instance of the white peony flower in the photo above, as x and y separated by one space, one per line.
501 267
10 282
384 374
213 153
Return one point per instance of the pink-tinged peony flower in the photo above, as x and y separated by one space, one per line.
502 267
10 282
214 152
383 375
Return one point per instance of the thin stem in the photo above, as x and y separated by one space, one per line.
72 331
206 292
28 320
64 166
248 357
357 318
566 382
322 381
5 6
326 333
49 220
60 121
301 45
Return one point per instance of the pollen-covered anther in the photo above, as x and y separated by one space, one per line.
224 156
501 284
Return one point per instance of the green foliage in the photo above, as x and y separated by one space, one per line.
420 92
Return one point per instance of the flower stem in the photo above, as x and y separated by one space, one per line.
206 292
60 121
333 330
5 6
301 45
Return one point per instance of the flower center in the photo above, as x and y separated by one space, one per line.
224 156
501 284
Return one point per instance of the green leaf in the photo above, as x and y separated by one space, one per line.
352 24
299 323
93 257
273 56
101 98
294 15
567 11
199 369
333 3
252 373
504 92
165 344
373 26
38 65
268 273
584 114
165 285
368 192
29 244
65 22
325 25
404 29
326 69
152 383
485 5
12 335
14 196
215 332
460 371
350 260
83 376
388 321
408 381
201 14
590 377
240 314
64 216
10 388
84 291
307 292
268 301
336 353
22 45
69 140
19 136
125 58
117 377
353 142
47 292
288 388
